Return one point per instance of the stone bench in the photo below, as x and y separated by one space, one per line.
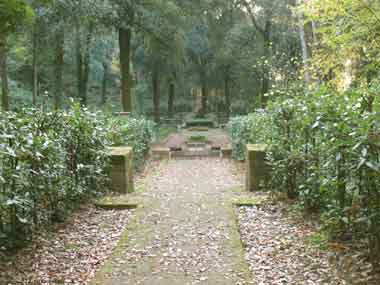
121 172
257 168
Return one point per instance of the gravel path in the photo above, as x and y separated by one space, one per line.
186 233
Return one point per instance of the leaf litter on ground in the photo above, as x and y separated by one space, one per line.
277 251
68 255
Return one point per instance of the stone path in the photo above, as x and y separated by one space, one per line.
186 233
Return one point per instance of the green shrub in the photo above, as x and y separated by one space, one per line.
324 149
135 132
52 162
49 163
253 128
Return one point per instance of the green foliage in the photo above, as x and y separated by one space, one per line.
137 133
325 151
249 129
13 13
319 240
347 36
199 123
50 162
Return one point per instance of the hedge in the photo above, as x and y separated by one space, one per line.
51 162
324 151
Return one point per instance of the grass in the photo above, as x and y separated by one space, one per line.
318 239
122 202
198 138
250 201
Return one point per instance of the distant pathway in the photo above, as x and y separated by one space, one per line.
186 233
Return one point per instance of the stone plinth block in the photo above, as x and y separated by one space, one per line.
226 152
159 153
121 172
257 168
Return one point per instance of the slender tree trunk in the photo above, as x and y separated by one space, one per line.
79 60
315 46
204 94
58 67
104 83
267 52
314 31
4 74
35 64
156 94
305 55
171 99
227 95
86 69
125 36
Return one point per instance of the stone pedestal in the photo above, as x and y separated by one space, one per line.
159 153
226 152
257 168
121 172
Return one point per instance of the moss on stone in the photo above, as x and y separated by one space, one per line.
250 201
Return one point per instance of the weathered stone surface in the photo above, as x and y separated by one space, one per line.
121 172
226 152
159 153
257 168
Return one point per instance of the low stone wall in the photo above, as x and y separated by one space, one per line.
121 173
257 168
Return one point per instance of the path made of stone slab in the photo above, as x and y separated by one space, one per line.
186 232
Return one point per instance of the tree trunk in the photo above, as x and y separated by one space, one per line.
204 93
171 99
58 67
227 95
104 83
4 74
86 68
305 55
156 94
79 60
35 64
314 31
266 79
125 36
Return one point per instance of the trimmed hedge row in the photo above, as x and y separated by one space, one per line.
51 162
325 151
135 132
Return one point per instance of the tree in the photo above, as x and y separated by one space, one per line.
161 50
13 13
347 52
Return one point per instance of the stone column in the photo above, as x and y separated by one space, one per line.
121 172
257 168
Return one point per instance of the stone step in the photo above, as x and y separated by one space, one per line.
200 153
